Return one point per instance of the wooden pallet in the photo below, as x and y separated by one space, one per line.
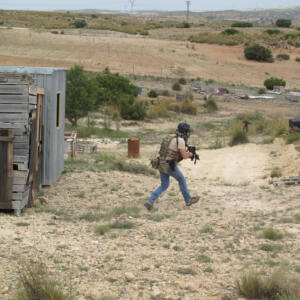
292 180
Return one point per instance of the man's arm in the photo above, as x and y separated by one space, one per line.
185 154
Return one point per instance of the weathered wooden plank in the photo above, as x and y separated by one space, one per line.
14 108
17 118
13 98
21 139
6 167
6 205
20 177
14 89
14 125
19 187
6 139
19 158
21 152
21 146
32 99
21 166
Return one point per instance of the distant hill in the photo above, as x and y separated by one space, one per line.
262 16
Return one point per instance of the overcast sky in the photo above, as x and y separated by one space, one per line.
144 4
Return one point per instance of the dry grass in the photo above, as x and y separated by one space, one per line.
97 49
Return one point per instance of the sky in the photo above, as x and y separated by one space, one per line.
124 5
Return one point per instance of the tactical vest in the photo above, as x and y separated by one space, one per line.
165 153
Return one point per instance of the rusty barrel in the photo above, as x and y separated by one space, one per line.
133 147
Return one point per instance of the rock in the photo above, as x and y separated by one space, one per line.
129 276
4 290
156 292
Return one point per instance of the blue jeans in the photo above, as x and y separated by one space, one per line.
165 181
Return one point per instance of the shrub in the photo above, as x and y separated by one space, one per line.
211 105
242 24
297 59
272 81
165 93
258 53
272 234
284 23
153 94
238 136
283 57
176 86
80 23
182 81
292 138
230 31
36 284
183 25
276 172
261 91
188 107
280 285
132 109
272 31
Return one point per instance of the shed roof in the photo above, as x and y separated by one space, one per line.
30 70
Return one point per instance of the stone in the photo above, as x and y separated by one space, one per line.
156 292
129 276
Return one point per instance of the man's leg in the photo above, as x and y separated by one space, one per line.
165 181
177 174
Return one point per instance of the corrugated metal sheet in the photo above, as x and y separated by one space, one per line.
53 80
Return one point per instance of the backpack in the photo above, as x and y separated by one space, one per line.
162 152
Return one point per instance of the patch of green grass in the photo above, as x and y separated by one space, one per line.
270 248
276 172
122 225
186 271
102 229
90 217
204 259
208 270
109 161
211 106
73 165
158 217
272 234
206 229
297 218
22 224
291 138
238 136
132 211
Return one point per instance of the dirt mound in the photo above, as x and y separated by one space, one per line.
244 164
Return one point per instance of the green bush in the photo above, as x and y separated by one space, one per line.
283 57
273 81
272 234
284 23
211 105
258 53
297 59
230 31
80 23
153 94
261 91
165 93
188 107
293 138
238 136
176 86
272 31
182 81
183 25
132 109
242 24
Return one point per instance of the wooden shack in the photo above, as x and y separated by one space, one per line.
20 140
53 81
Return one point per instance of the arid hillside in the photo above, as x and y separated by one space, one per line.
142 55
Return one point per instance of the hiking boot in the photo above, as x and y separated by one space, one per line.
148 205
192 201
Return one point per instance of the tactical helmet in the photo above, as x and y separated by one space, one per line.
184 127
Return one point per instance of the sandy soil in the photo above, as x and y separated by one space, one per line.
174 252
129 54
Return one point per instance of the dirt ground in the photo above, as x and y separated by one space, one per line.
173 252
128 54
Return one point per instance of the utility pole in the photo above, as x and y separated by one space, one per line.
188 3
132 4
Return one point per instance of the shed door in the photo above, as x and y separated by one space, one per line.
6 168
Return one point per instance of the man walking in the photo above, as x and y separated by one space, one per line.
171 152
